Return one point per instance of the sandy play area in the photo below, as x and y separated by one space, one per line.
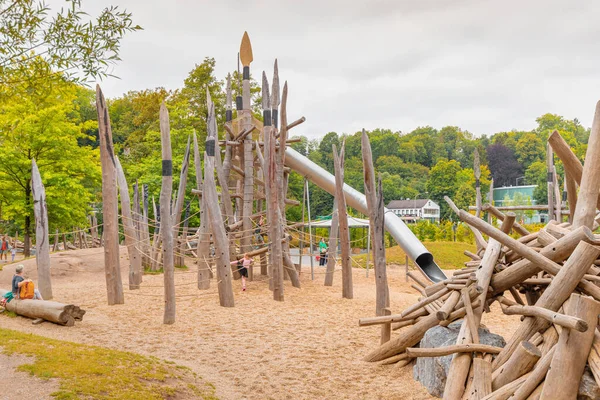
308 347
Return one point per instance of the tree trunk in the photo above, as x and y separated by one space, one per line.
61 314
204 231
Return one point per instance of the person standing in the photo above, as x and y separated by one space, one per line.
13 253
243 265
4 248
322 252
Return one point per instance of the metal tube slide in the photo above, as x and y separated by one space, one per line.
355 199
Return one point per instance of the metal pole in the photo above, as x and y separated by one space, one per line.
302 235
310 238
368 248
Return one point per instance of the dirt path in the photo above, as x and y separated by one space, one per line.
21 385
309 346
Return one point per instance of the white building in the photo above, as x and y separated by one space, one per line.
415 210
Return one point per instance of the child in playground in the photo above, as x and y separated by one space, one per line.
243 266
18 282
322 252
13 253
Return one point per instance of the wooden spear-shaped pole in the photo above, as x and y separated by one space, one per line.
135 261
166 229
248 200
42 241
112 268
228 119
477 171
338 159
214 212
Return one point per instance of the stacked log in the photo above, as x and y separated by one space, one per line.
549 278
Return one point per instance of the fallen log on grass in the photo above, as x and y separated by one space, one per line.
52 311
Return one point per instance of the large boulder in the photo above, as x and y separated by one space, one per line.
432 371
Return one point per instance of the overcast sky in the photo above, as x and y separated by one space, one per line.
485 66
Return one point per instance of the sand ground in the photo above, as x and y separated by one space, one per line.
308 347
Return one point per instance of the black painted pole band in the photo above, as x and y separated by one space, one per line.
228 115
477 183
275 117
266 117
246 73
167 168
550 177
239 103
210 147
564 196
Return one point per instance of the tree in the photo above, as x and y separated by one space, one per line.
69 42
536 174
42 124
503 165
442 182
530 149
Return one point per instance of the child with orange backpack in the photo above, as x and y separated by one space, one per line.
22 288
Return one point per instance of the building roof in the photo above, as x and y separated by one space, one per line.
400 204
352 223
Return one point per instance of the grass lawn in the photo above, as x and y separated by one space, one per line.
91 372
448 255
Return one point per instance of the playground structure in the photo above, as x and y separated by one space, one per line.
244 181
557 269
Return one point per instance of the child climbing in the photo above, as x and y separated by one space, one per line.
243 265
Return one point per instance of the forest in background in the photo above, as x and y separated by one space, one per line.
54 121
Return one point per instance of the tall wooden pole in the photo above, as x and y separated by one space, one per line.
491 199
477 172
590 179
42 241
248 187
145 230
135 261
550 180
273 218
214 212
204 231
571 195
310 238
110 233
166 229
338 159
334 233
176 217
376 215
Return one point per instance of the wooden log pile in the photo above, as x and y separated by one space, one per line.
549 278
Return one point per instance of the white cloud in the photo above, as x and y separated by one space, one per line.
486 66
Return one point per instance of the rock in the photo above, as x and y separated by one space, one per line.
588 388
432 371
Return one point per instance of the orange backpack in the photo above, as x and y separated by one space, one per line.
26 291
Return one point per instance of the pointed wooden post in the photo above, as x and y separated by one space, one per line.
491 200
42 244
56 240
273 217
204 231
376 222
334 233
166 229
550 181
214 212
110 233
590 178
571 195
179 259
135 261
248 164
477 172
145 230
338 159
